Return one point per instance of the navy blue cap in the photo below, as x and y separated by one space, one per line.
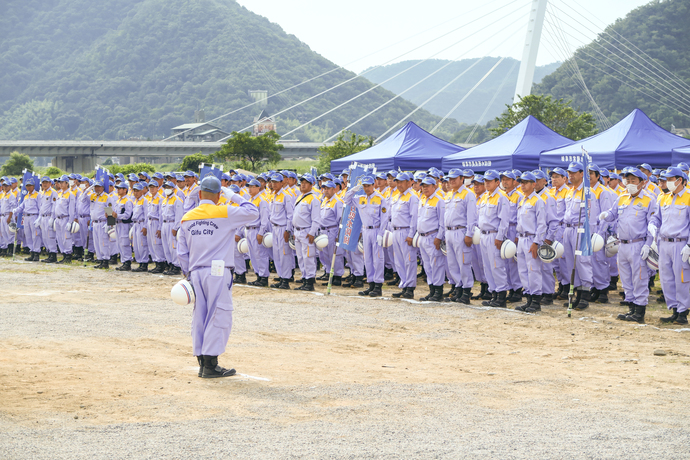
478 178
528 177
122 184
179 177
368 180
327 176
575 166
509 174
30 181
382 175
225 176
559 171
393 173
645 166
346 172
145 174
235 188
309 178
97 183
683 166
235 178
254 183
453 173
63 178
517 173
402 176
73 176
138 186
429 180
277 177
604 172
168 174
434 173
539 174
188 173
157 175
593 167
491 174
46 179
168 184
133 177
662 175
210 184
467 173
636 172
674 171
292 174
153 183
328 184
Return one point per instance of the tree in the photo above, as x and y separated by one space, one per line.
192 162
17 163
54 172
555 114
135 168
346 144
251 152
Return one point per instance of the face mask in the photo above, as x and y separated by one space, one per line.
468 182
625 182
632 188
502 187
82 186
71 183
168 191
671 186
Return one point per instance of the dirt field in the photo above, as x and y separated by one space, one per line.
83 351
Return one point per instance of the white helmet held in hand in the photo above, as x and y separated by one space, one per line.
243 246
559 248
653 257
387 239
291 241
597 242
74 227
182 293
267 241
321 241
112 234
476 236
415 240
508 249
612 245
131 233
360 245
444 249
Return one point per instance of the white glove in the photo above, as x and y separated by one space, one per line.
645 252
603 215
652 229
357 188
227 193
379 240
37 223
685 253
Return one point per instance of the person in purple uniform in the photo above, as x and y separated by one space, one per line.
306 220
403 224
205 251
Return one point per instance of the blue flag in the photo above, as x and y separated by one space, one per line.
213 170
585 235
102 175
351 223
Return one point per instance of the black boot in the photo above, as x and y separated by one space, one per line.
350 281
212 370
487 295
337 281
125 267
494 296
324 277
35 257
682 318
277 284
463 295
450 293
142 268
651 282
525 306
284 284
671 318
307 286
240 279
10 250
292 276
200 360
66 259
106 265
377 290
387 274
603 296
395 281
483 290
438 294
52 258
500 301
631 311
594 294
90 257
535 305
560 290
157 269
400 294
515 296
564 294
613 285
255 282
99 264
359 282
367 291
113 259
582 300
638 315
409 293
547 299
25 250
432 289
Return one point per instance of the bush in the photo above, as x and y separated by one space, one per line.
53 172
135 168
17 163
192 162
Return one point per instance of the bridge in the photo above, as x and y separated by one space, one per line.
81 156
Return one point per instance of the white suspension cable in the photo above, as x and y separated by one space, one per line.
486 75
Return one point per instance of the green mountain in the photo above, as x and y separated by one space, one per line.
494 92
115 69
658 29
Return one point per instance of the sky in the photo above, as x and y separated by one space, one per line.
359 34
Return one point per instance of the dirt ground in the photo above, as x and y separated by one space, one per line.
96 347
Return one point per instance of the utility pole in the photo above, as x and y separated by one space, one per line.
531 49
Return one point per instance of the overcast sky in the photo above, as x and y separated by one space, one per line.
347 32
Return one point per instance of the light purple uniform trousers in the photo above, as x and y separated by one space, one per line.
153 225
632 218
64 212
552 228
403 224
331 215
600 263
197 250
83 213
477 262
374 215
531 228
7 204
171 213
47 201
281 207
561 275
460 219
673 222
583 270
430 217
493 219
258 252
306 219
121 229
97 205
511 265
139 241
29 208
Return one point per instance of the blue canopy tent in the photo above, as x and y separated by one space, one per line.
517 148
410 148
681 154
633 140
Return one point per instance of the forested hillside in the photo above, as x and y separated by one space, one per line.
495 92
114 69
659 29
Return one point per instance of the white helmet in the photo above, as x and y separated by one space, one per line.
612 245
183 293
653 257
387 239
52 223
74 228
508 249
444 250
476 236
546 253
321 241
415 240
131 233
291 241
360 244
597 242
559 248
12 227
243 246
267 240
111 233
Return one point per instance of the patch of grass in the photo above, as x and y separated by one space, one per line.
301 166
